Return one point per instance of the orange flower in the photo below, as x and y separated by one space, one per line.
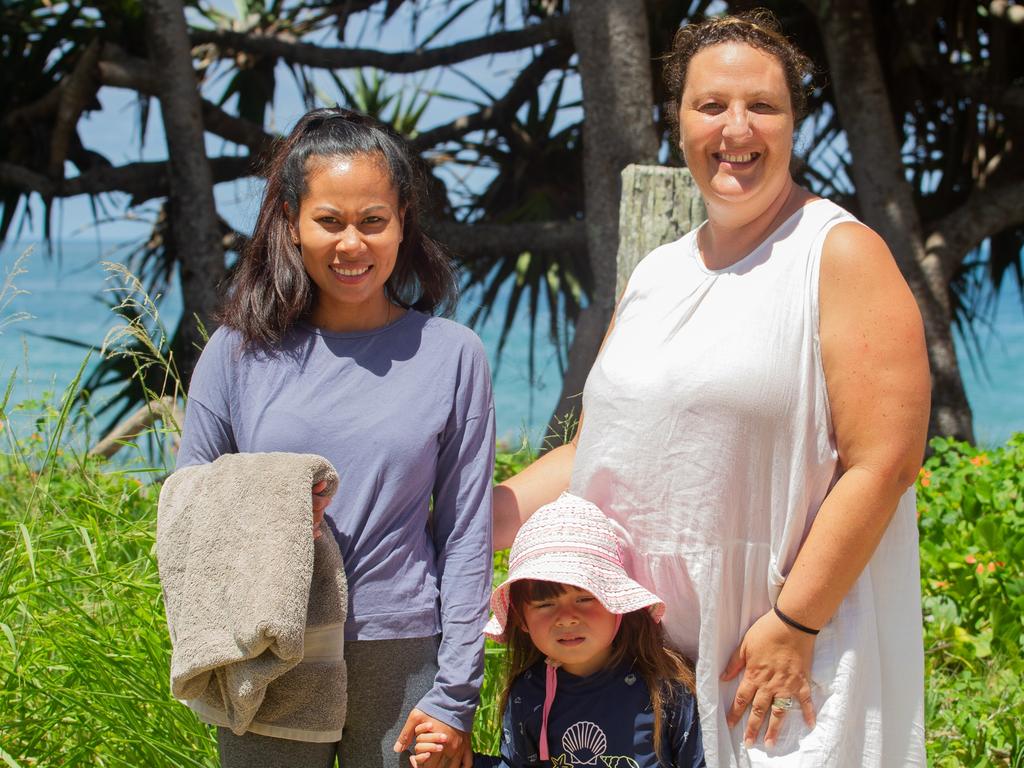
940 584
980 460
991 567
926 477
980 568
971 559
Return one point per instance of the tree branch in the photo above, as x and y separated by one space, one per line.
77 90
308 54
120 70
467 241
164 409
143 181
42 107
984 214
501 111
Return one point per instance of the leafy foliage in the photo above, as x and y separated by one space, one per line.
372 94
971 505
538 176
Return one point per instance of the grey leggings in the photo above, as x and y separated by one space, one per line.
386 679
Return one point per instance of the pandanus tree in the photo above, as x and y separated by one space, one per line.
913 129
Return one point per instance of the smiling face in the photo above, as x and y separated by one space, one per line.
349 227
573 628
736 127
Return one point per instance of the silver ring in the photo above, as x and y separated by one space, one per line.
782 703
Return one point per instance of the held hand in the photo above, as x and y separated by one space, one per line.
430 741
437 745
776 663
320 503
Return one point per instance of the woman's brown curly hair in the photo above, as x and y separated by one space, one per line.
759 29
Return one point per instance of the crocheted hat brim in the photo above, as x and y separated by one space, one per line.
605 580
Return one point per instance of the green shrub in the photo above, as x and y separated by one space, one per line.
971 508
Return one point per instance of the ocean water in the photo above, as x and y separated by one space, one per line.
68 295
65 295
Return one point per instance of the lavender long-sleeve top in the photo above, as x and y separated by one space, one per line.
405 414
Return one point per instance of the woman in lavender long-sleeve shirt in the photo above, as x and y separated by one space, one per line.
330 346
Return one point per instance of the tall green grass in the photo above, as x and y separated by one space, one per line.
84 650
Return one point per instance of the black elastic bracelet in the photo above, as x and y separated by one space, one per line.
794 623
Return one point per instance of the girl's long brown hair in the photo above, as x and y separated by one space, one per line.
639 638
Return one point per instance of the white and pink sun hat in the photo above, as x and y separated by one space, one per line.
571 541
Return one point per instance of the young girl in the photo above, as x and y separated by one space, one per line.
591 681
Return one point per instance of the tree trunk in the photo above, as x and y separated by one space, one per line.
886 197
658 205
611 40
192 214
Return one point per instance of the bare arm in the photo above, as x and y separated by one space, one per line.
520 496
876 370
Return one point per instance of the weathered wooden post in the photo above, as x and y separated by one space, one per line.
658 205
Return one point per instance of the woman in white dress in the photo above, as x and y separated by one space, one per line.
754 423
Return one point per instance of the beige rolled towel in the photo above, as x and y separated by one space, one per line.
255 608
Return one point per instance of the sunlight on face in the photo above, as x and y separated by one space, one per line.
736 124
349 227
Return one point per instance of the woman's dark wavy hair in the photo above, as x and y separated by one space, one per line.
270 290
638 640
757 28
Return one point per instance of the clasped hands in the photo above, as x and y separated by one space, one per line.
776 663
437 745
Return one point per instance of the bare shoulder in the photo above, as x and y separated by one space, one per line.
859 277
853 250
873 349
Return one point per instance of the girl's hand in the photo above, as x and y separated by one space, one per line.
776 662
320 503
437 745
428 743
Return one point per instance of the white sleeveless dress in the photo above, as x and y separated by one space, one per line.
708 439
